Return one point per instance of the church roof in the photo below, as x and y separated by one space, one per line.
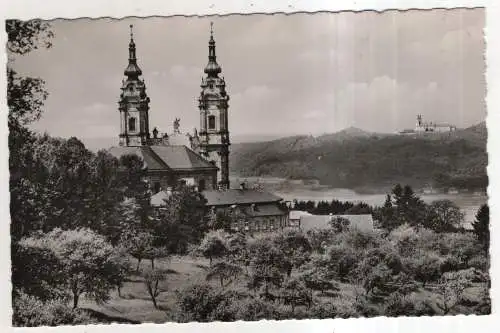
165 157
238 196
181 158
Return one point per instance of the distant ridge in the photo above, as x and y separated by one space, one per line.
353 158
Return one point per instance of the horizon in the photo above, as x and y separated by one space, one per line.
341 77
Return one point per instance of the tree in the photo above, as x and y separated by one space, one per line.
213 246
268 264
377 278
409 207
30 311
318 278
427 268
296 293
482 226
198 302
183 220
223 271
25 100
139 245
341 260
295 246
444 216
451 288
87 261
339 224
152 280
388 219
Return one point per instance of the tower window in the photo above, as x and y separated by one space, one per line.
211 122
131 124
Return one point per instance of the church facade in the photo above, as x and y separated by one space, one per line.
170 160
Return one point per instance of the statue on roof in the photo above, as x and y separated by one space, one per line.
177 125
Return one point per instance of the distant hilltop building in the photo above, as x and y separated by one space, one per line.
422 127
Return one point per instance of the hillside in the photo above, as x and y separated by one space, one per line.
353 158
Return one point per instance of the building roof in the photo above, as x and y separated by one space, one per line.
297 214
270 209
176 158
238 196
361 221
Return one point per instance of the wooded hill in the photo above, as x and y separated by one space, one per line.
353 158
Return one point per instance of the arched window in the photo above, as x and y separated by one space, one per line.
211 122
131 124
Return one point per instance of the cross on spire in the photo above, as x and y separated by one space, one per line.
131 32
211 28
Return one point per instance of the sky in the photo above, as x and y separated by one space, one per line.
285 74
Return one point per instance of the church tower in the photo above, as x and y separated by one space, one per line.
213 104
133 103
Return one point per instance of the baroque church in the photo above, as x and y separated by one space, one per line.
199 159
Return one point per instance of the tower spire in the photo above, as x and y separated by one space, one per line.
132 70
212 69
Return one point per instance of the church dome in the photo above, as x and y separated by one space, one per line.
212 68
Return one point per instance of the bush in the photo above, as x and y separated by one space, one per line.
256 309
31 312
323 311
401 305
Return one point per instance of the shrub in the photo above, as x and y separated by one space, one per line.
323 311
401 305
256 309
31 311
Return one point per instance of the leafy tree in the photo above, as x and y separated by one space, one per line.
223 271
427 268
409 207
183 220
295 246
268 264
444 216
319 238
462 246
25 99
341 261
198 302
318 278
377 278
152 280
30 311
482 226
451 288
388 218
339 224
140 246
295 293
213 246
87 261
